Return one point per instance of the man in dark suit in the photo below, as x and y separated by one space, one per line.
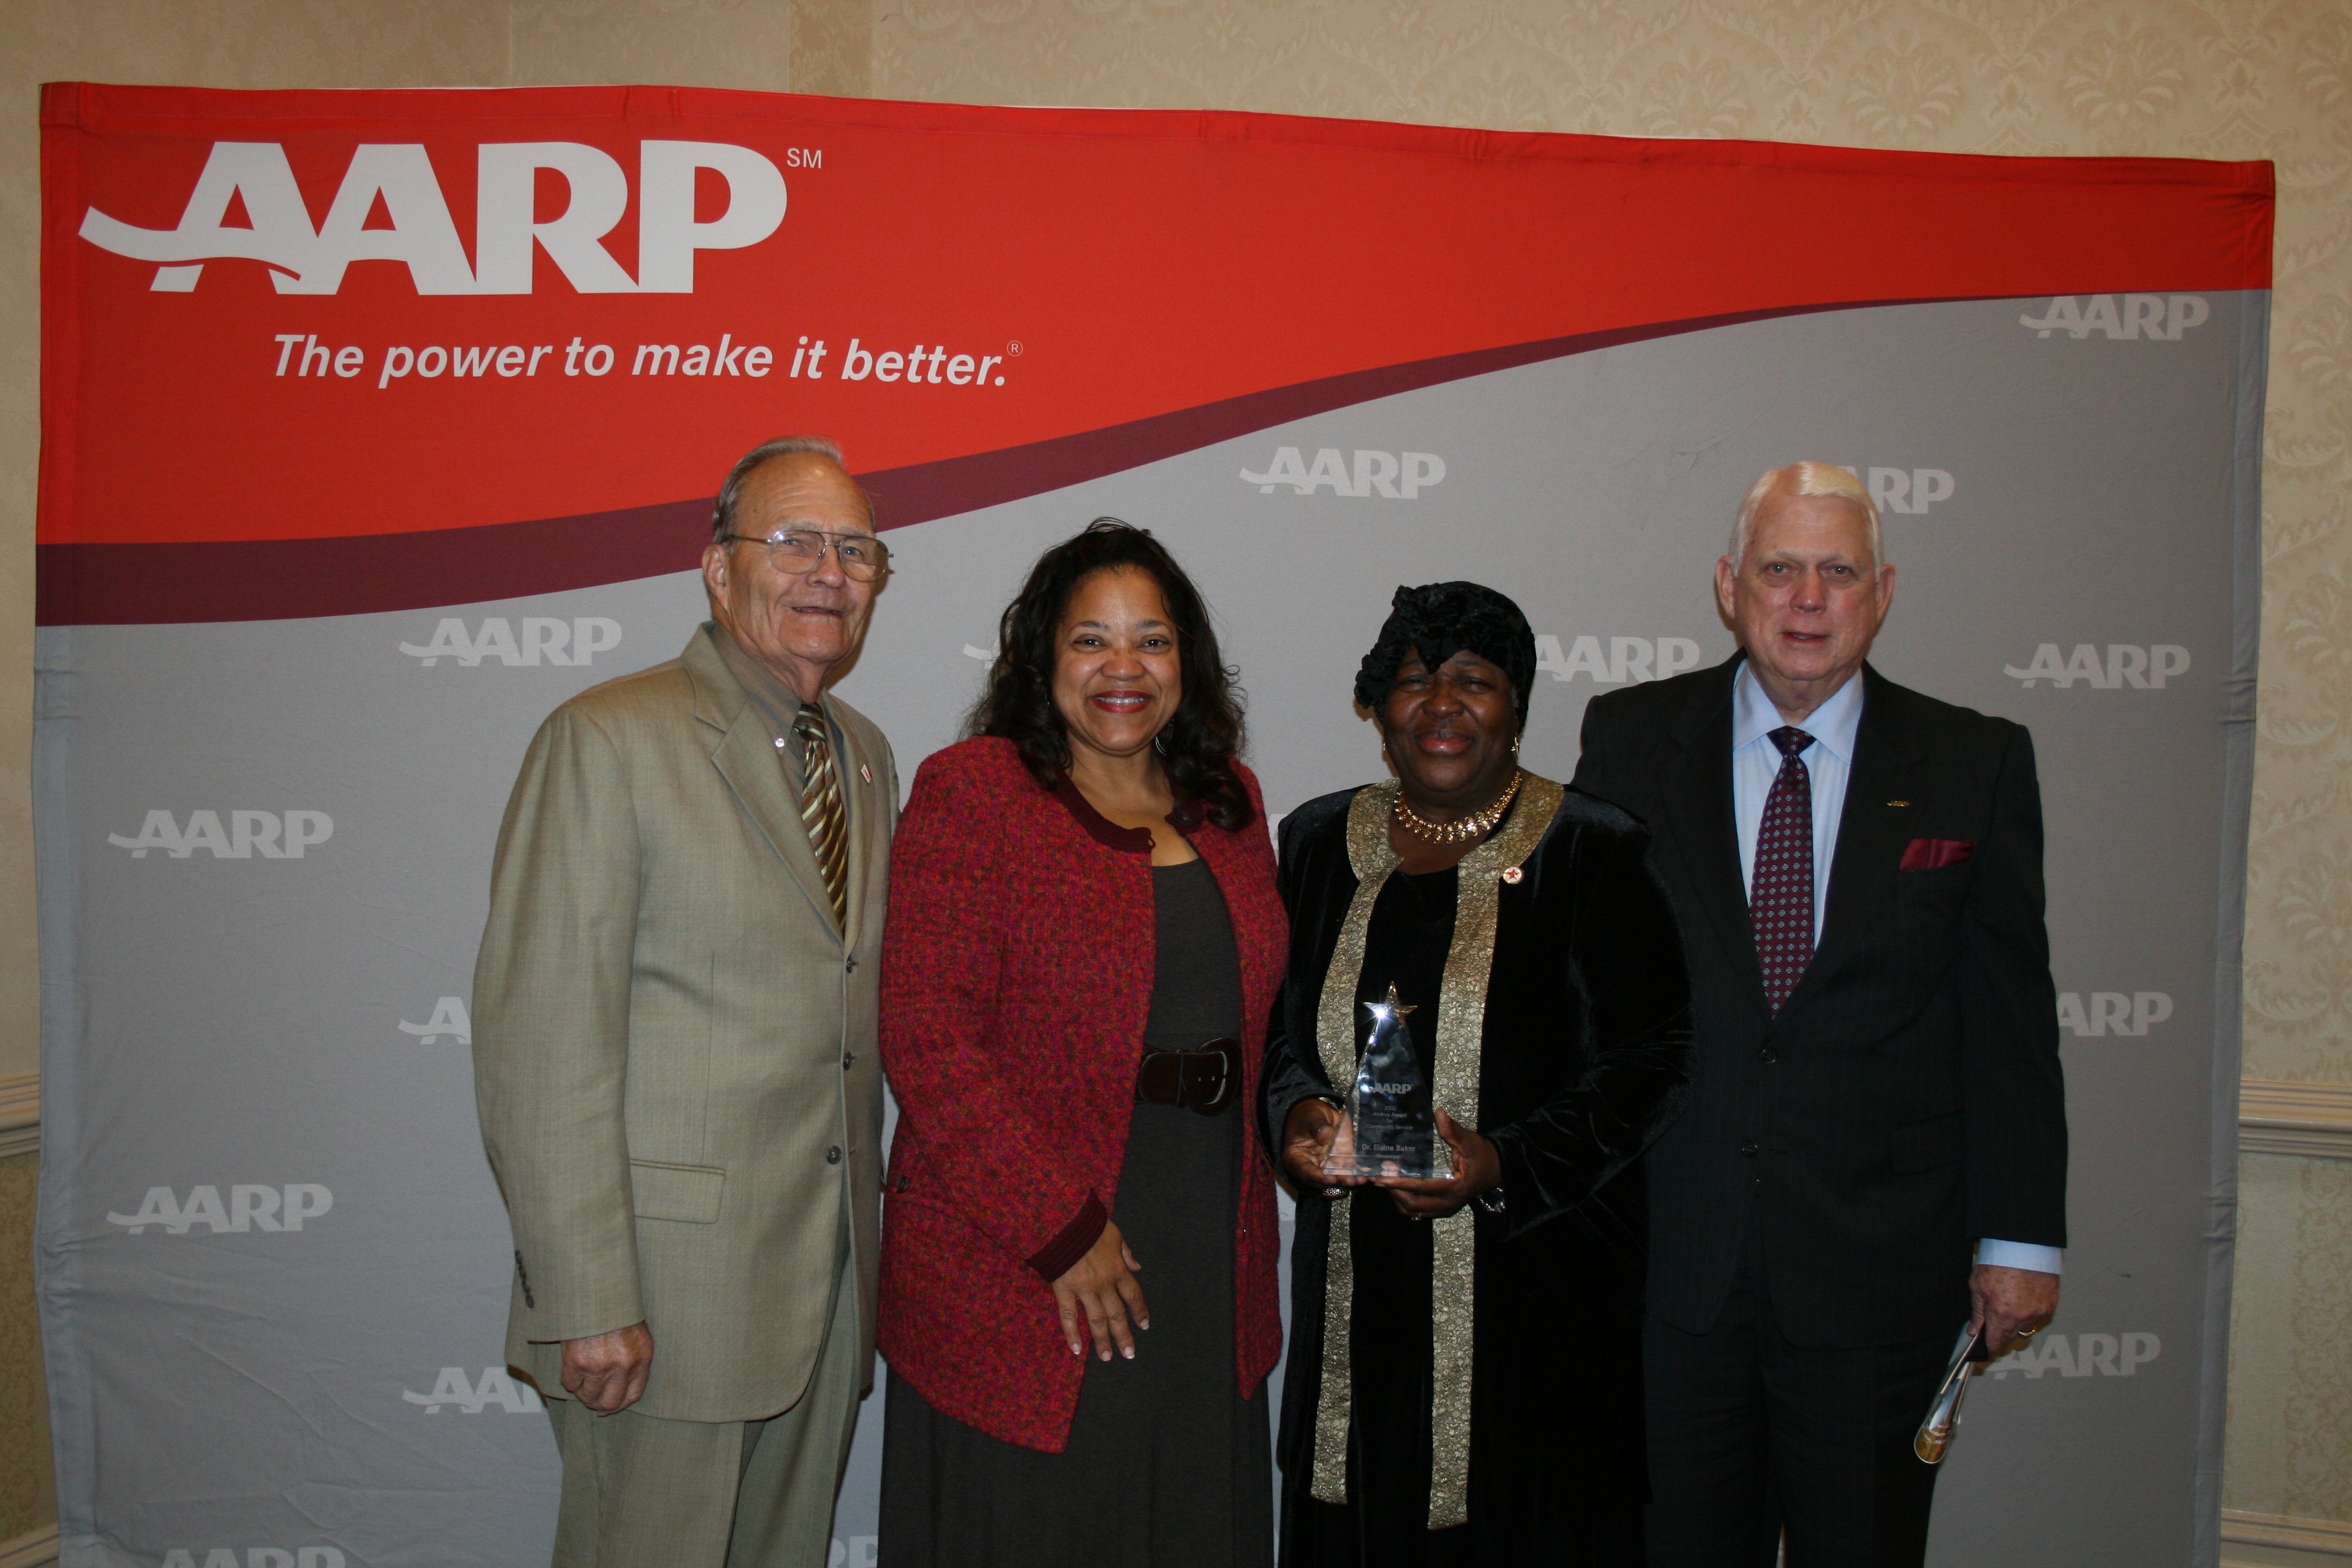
1874 1150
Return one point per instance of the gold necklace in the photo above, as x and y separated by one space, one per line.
1462 829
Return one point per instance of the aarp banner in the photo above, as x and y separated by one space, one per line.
377 423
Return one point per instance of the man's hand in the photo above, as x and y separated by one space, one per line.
1306 1135
2007 1299
607 1373
1102 1287
1477 1167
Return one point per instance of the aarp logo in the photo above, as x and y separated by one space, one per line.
1906 492
2160 317
305 260
2143 669
448 1020
255 1557
468 1397
1391 476
250 1207
1627 659
2098 1014
249 834
545 640
2089 1355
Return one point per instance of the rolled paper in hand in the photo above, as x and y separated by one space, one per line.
1933 1438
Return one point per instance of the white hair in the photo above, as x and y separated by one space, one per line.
722 515
1806 480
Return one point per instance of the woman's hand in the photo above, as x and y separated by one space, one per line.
1306 1135
1102 1286
1477 1167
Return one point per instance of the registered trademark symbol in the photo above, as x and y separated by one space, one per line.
1014 347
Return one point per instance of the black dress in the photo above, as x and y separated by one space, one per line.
1586 1048
1166 1465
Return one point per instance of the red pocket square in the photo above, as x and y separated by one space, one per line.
1927 854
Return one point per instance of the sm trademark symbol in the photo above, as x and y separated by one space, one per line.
804 157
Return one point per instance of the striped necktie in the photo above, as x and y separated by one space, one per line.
821 808
1781 900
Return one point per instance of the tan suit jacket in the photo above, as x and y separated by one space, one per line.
674 1046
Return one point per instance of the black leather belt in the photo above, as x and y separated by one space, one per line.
1207 1079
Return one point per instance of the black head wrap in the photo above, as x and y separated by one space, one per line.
1440 619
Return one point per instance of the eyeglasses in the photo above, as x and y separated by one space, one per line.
797 551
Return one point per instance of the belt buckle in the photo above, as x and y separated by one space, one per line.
1226 1053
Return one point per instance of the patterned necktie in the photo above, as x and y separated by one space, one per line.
1781 899
820 810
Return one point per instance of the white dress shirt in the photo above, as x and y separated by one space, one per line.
1755 763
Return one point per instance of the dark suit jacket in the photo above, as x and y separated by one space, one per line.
1907 1099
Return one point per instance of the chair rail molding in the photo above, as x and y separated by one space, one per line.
34 1549
2277 1540
2314 1119
20 1122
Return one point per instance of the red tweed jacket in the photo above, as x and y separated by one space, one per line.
1016 980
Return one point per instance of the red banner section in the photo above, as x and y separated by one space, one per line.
315 353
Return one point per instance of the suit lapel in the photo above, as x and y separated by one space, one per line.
746 758
1871 831
1698 801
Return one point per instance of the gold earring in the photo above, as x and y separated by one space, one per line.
1515 745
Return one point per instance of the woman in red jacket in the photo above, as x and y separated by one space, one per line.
1078 1287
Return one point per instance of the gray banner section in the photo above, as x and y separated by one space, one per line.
273 1267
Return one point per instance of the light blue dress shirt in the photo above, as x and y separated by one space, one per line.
1755 763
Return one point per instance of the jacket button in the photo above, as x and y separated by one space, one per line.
852 963
1748 1147
833 1155
1768 1056
849 1059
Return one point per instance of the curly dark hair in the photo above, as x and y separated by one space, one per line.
1201 741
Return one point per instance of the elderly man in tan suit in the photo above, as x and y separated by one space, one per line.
674 1050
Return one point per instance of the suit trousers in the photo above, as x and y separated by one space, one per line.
643 1492
1750 1436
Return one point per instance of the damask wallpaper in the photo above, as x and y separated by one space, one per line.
2206 79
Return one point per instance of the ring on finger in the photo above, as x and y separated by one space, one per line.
2028 1333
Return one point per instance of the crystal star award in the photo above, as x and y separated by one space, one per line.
1391 1130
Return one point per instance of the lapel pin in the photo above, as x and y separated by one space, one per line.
865 772
1899 802
1512 874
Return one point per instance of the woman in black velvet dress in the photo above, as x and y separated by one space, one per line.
1465 1379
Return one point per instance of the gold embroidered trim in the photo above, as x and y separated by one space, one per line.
1371 859
1461 1025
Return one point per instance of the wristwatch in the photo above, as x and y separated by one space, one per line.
1491 1200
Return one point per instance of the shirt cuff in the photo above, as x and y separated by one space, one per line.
1059 1256
2021 1254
